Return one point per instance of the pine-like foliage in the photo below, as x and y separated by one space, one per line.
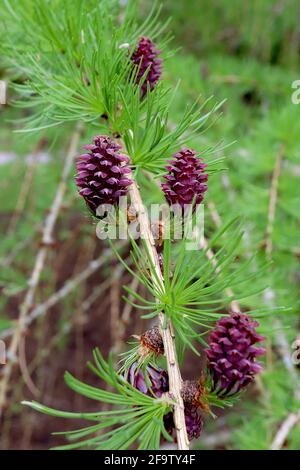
73 64
260 116
137 415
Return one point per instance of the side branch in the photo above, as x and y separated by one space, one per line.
166 327
69 286
38 268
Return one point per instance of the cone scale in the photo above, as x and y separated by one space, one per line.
103 175
232 353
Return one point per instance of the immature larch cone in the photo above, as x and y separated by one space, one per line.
157 378
102 174
193 421
186 180
194 392
146 60
159 381
152 341
232 353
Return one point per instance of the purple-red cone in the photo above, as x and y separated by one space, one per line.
232 353
146 61
193 422
158 380
186 179
102 173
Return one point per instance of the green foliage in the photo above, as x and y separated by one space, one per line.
137 418
85 73
263 127
258 423
75 58
68 66
194 294
266 30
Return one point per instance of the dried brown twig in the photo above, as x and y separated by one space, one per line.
283 346
68 287
38 267
25 188
270 295
9 258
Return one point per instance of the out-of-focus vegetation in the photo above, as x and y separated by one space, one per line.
247 53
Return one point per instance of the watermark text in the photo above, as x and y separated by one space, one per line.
3 87
2 353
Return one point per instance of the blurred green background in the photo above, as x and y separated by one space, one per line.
248 53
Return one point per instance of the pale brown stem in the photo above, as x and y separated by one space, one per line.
167 332
235 306
38 268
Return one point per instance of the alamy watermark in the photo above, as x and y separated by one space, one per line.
295 98
3 89
167 223
2 353
296 353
